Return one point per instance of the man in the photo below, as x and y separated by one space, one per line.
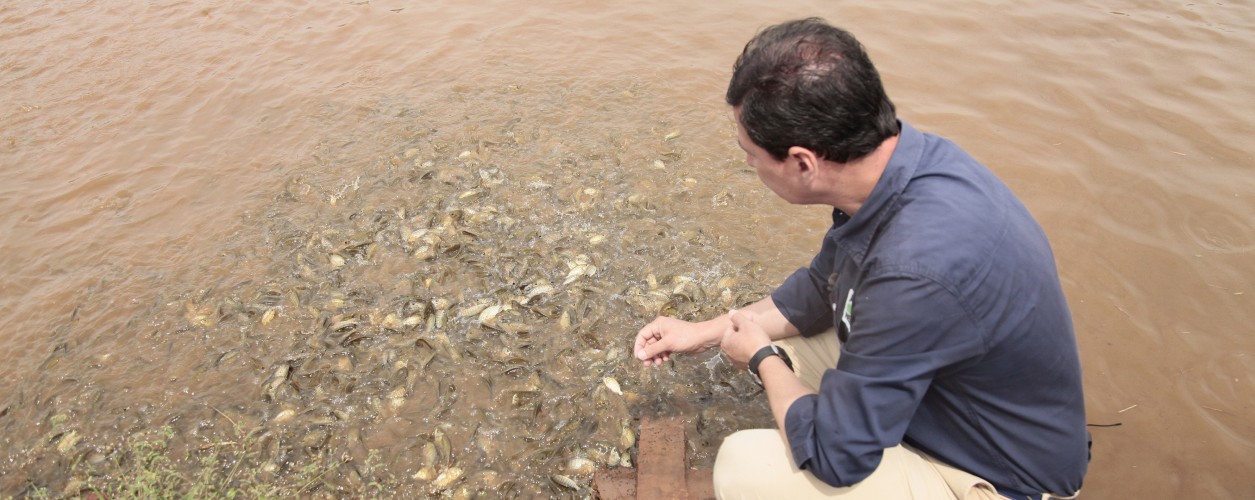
933 346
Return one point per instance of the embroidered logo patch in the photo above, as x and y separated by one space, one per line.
849 307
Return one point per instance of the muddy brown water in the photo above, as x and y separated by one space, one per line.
180 179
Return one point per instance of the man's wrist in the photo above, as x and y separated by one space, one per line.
712 332
764 353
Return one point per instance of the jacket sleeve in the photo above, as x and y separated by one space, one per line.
803 297
904 329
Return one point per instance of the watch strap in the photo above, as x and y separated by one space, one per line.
767 351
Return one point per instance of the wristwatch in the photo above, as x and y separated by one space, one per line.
764 353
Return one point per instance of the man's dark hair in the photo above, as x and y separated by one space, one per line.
810 84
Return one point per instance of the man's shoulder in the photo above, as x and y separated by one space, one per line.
953 218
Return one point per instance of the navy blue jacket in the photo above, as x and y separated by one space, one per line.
956 337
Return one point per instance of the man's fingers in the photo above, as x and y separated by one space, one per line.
650 343
656 360
737 319
651 350
648 335
740 318
740 321
642 339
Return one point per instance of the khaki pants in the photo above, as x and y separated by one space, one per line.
757 463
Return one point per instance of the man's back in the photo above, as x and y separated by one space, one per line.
1014 412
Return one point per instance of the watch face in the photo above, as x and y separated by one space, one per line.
784 356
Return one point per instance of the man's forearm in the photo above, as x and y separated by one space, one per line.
783 388
769 317
766 315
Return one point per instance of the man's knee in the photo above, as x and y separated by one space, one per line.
735 449
745 458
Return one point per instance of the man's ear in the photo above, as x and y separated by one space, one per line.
807 161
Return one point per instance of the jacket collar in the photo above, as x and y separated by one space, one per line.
855 234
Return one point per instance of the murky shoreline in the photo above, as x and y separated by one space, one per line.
434 301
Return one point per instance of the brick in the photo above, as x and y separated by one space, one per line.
660 461
615 484
662 471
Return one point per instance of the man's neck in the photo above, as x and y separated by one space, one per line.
853 182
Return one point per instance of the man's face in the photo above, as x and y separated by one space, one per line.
772 172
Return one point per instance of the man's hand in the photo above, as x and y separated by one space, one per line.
743 338
762 321
663 336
